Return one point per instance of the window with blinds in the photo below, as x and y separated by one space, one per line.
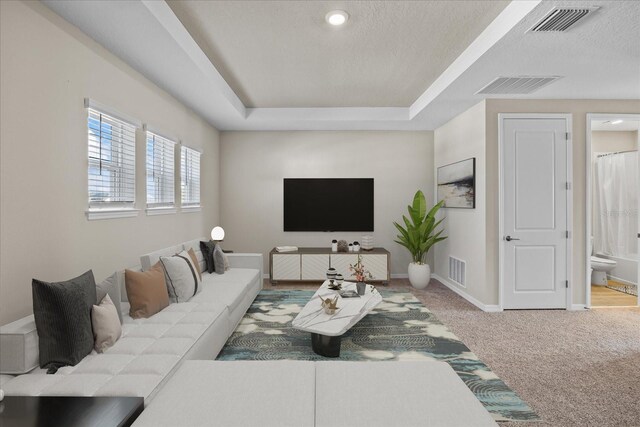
112 158
160 171
190 177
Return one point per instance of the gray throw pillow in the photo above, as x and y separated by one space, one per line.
207 249
111 286
219 259
62 312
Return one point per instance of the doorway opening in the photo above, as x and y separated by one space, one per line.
613 202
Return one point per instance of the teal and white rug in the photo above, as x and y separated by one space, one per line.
400 328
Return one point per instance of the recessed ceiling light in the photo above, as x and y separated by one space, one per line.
337 17
616 122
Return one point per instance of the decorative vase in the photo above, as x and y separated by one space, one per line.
334 246
343 246
419 275
361 287
356 247
367 242
331 273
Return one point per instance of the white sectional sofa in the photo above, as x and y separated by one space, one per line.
151 350
315 394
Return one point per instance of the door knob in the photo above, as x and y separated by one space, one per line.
509 238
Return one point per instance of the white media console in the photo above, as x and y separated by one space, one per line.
311 264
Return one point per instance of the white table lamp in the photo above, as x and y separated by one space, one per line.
217 234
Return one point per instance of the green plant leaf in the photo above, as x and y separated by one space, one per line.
420 233
420 204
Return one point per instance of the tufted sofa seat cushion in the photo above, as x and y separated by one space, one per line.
139 362
229 288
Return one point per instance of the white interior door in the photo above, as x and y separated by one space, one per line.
534 268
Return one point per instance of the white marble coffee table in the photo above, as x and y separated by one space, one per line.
326 329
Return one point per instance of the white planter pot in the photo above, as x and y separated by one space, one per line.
419 275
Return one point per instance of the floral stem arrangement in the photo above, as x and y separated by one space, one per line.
419 233
359 272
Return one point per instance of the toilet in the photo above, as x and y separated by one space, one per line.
600 267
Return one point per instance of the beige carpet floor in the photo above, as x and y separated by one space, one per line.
573 368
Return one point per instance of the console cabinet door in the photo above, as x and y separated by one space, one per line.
314 267
286 266
377 266
341 263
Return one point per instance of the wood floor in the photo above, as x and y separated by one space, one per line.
604 297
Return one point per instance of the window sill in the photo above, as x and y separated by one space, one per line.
161 211
190 209
94 214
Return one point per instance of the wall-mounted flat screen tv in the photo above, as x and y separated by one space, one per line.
328 204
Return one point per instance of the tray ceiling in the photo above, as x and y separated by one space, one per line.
284 54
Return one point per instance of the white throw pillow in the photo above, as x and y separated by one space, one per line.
181 276
106 324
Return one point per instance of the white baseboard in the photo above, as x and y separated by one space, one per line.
578 307
484 307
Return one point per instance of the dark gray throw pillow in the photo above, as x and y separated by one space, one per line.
218 259
62 312
207 251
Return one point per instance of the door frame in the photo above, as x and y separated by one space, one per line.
589 189
569 194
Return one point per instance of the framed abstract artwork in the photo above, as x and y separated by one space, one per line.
457 184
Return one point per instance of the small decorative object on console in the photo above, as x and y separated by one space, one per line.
350 247
334 246
367 242
356 247
343 246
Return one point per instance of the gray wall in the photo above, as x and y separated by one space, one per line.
463 138
47 68
253 165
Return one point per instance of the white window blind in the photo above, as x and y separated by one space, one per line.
160 171
190 176
112 158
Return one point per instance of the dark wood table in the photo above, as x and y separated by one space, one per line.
68 411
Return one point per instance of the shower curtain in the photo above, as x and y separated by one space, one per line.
615 224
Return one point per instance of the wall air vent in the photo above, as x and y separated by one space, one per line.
457 270
561 19
516 85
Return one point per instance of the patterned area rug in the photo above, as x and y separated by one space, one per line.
400 328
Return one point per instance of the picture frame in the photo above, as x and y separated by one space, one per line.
456 184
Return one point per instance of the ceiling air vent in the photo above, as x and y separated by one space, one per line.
561 19
516 85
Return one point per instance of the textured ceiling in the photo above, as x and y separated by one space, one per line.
599 59
283 53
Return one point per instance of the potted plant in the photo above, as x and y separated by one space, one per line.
418 236
360 274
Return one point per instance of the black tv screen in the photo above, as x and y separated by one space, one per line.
328 204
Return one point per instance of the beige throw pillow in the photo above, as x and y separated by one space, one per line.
106 324
146 291
196 263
